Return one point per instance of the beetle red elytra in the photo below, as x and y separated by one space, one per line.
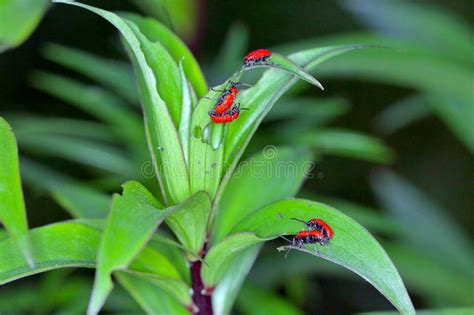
257 56
226 100
226 117
318 225
307 237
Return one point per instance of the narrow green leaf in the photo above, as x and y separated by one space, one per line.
316 111
220 257
280 62
228 288
151 298
434 280
12 205
230 54
255 301
260 99
441 311
165 70
86 152
434 28
174 251
157 269
346 143
43 177
186 113
403 113
372 219
409 205
282 168
74 244
457 113
189 222
352 246
25 125
156 9
180 15
61 245
93 100
3 234
82 201
163 140
116 75
296 265
206 161
155 31
161 262
448 83
18 19
121 241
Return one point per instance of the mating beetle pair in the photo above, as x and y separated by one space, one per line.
225 111
319 232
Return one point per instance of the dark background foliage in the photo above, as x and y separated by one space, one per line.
427 153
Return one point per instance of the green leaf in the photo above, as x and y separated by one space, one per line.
228 288
178 50
113 74
18 19
434 28
352 246
230 54
316 111
86 152
40 176
436 281
93 100
74 244
121 241
372 219
180 15
448 83
220 257
411 208
403 113
165 70
12 205
186 114
61 245
456 112
25 125
280 62
163 140
205 158
441 311
157 269
296 265
255 301
82 201
42 296
174 251
151 298
282 168
260 99
346 143
189 222
3 234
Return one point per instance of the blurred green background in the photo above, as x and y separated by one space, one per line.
417 98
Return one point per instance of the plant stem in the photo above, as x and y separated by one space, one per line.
202 301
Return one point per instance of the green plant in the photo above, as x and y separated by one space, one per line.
193 161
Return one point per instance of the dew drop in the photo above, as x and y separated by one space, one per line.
197 132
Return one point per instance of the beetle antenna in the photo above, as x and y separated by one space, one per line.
299 220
